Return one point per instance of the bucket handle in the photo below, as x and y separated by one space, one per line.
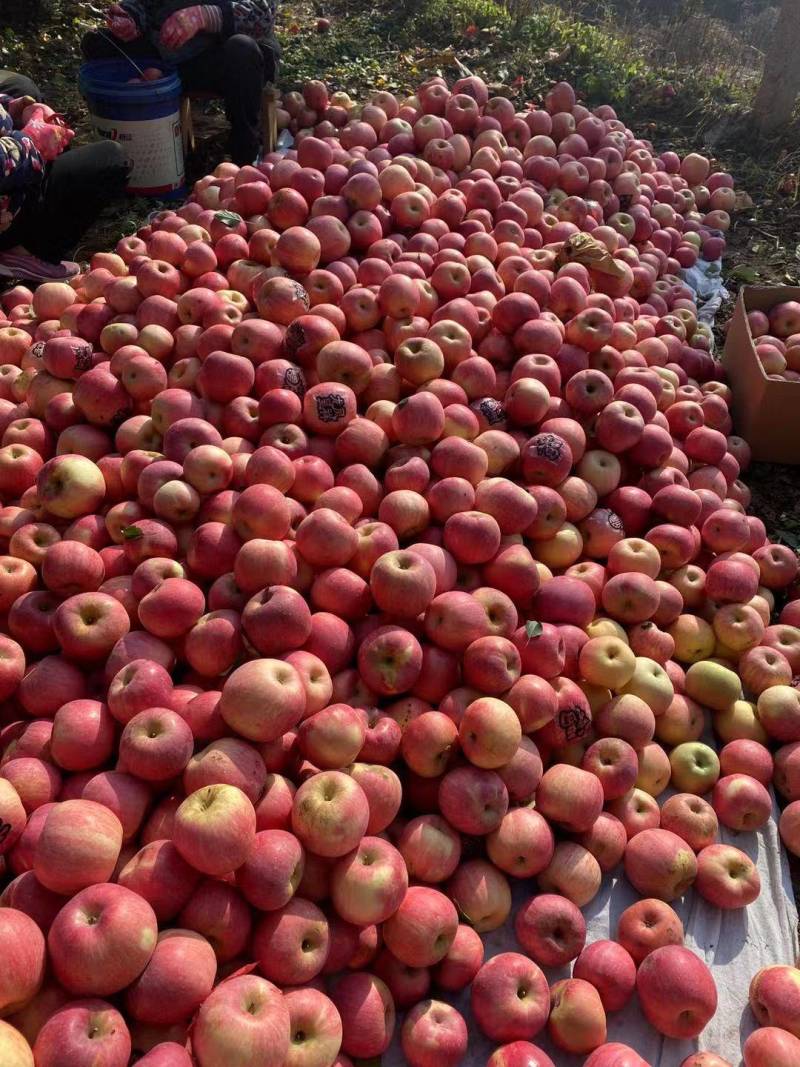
121 51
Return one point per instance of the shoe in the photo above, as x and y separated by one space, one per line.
28 268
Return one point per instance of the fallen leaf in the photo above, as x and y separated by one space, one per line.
789 537
743 273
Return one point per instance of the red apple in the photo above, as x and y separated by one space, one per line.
24 959
84 1031
101 940
676 991
245 1019
509 998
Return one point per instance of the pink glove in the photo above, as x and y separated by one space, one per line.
39 111
50 139
120 23
185 24
16 109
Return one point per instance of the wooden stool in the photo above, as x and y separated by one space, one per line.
269 118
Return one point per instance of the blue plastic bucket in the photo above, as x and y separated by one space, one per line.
144 118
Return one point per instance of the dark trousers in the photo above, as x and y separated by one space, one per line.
14 85
76 187
236 70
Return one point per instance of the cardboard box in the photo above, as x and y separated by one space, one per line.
766 411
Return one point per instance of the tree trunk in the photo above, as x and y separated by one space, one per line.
780 85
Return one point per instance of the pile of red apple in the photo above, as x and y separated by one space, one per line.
373 542
777 337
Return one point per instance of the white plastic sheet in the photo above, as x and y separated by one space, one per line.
705 281
734 944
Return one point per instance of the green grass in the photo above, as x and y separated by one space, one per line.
523 47
683 71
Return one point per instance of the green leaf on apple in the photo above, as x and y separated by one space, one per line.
132 533
228 218
532 628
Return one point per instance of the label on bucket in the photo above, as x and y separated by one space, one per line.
153 147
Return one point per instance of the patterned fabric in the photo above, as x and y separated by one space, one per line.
21 167
255 18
